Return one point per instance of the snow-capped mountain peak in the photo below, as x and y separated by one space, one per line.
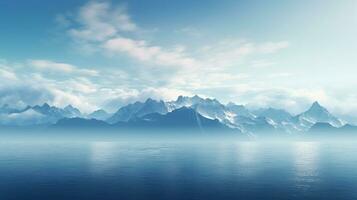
138 109
317 114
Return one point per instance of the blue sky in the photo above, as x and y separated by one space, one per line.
94 54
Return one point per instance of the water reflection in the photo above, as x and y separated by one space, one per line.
247 158
247 152
244 170
103 156
306 162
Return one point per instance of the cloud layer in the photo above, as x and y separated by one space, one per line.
141 65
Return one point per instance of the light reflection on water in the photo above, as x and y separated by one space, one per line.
247 152
247 158
299 170
306 155
104 156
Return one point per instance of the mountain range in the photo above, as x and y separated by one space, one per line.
203 114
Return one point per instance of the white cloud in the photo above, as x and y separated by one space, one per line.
164 72
64 97
187 70
272 47
233 52
21 92
51 66
31 88
204 80
118 36
100 26
28 117
99 21
7 74
142 51
294 100
82 85
25 86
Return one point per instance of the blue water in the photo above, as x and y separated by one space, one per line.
159 170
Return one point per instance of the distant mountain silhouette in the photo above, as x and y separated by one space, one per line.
326 129
80 123
37 115
28 117
7 109
240 110
70 111
183 117
316 114
257 125
278 115
349 128
185 112
99 115
322 127
55 112
138 109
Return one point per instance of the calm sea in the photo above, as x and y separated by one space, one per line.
169 170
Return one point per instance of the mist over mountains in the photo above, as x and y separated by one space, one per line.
202 114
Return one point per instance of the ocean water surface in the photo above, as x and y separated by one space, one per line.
178 170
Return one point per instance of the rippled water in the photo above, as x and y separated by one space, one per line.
243 170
